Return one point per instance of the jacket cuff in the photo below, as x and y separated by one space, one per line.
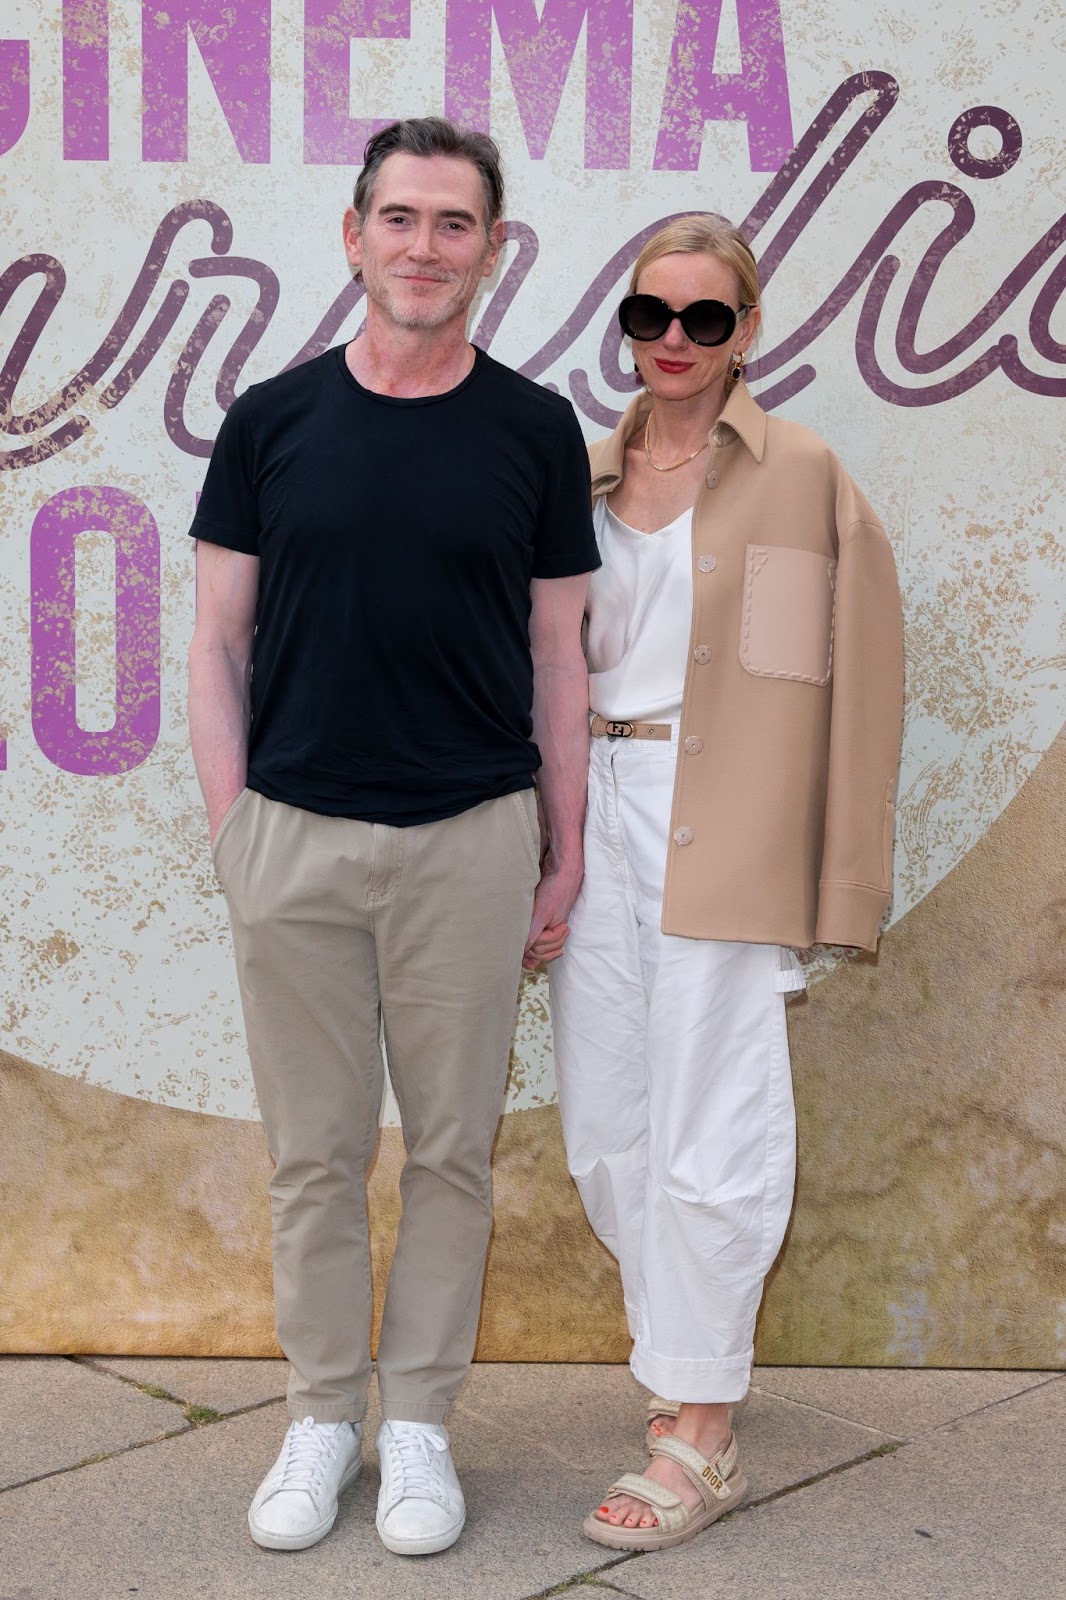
850 914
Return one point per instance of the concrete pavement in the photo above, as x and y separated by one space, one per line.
124 1477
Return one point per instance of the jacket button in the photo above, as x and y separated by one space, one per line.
706 563
712 479
702 654
719 436
682 835
693 745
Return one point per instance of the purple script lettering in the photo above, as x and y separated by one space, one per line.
14 92
824 157
85 80
234 42
539 52
696 94
332 137
131 738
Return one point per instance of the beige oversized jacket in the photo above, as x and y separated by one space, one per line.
790 723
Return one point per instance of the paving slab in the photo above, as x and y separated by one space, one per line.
971 1510
223 1386
590 1419
55 1413
170 1521
902 1403
535 1447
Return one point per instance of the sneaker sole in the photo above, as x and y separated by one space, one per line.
302 1541
420 1547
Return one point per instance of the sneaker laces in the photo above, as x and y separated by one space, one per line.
308 1445
416 1457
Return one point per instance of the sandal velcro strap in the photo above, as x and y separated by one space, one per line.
709 1477
669 1508
658 1407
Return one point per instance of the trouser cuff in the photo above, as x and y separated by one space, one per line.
710 1382
333 1411
398 1410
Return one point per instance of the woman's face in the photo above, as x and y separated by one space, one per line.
673 367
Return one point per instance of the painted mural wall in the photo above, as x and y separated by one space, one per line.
173 180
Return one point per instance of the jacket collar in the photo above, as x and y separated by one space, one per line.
747 419
741 415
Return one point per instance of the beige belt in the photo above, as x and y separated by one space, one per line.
602 728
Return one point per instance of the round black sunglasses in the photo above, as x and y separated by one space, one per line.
645 316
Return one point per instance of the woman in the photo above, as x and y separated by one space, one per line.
745 672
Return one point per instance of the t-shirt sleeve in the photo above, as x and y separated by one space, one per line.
566 542
228 509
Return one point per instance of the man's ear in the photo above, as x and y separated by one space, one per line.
497 238
352 241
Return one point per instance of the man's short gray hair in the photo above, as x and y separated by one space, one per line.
433 136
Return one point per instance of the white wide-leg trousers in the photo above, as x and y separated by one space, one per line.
675 1092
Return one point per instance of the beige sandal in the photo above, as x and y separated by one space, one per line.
658 1408
721 1486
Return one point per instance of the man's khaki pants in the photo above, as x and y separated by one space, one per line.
337 926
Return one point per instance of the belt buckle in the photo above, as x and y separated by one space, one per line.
619 730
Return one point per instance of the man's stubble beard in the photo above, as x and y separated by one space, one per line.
379 291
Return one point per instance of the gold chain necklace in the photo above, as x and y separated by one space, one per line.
674 465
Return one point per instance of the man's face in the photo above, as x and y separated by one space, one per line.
423 248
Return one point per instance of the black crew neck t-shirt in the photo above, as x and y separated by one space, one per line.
391 672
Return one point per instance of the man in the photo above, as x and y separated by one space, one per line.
394 549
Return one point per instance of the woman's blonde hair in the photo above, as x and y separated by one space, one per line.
707 233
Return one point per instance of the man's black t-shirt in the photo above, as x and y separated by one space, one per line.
391 670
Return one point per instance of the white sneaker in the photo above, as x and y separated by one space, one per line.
420 1504
296 1503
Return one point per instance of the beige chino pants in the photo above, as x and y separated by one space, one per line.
339 926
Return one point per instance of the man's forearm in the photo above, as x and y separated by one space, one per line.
561 731
218 724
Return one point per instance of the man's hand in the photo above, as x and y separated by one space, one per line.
552 904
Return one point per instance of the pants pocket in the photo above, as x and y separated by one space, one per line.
525 802
225 827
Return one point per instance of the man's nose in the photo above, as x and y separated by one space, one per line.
423 242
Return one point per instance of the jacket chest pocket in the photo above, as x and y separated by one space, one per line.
786 626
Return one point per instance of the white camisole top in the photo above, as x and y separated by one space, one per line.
639 618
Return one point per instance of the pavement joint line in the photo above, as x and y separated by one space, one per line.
590 1579
987 1405
889 1448
191 1426
808 1405
199 1415
990 1405
94 1461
